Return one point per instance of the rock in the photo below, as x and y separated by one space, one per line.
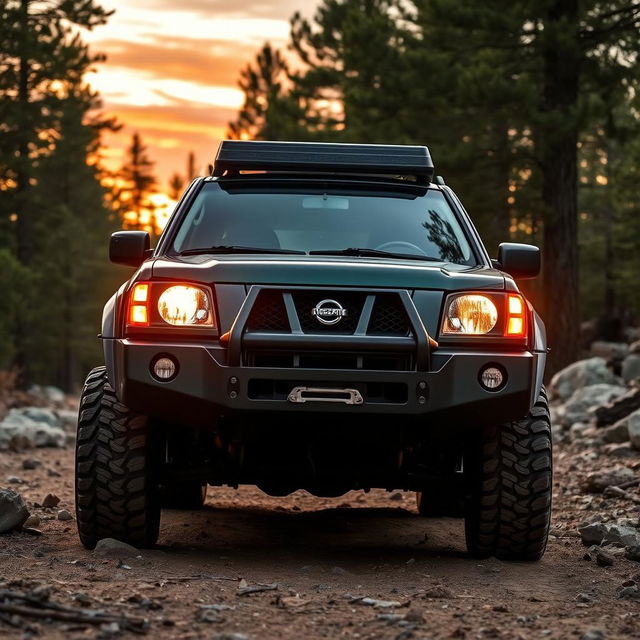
19 431
339 571
632 552
51 500
618 408
609 350
598 481
233 635
38 414
594 634
68 419
621 533
618 432
29 464
112 548
634 347
32 522
631 367
52 473
64 515
582 400
49 394
13 511
603 558
15 480
378 604
630 593
580 430
592 532
580 374
439 591
633 425
396 496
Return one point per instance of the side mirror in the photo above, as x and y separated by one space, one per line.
519 260
129 247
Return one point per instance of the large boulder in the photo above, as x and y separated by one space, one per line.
579 405
38 414
580 374
19 431
13 511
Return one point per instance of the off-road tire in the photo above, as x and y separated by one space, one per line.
510 488
188 495
116 489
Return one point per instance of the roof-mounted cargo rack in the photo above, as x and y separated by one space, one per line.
310 157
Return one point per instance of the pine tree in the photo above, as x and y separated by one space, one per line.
176 184
269 112
41 54
137 184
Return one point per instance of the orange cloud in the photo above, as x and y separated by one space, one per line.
206 62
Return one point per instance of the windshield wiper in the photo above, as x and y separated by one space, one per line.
371 253
232 248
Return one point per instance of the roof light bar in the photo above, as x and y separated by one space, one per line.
399 160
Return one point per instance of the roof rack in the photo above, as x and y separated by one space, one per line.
398 160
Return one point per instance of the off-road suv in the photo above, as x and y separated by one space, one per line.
320 317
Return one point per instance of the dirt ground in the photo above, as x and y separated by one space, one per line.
320 558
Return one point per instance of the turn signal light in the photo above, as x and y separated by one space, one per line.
516 321
138 305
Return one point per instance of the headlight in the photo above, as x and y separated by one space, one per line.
159 306
186 306
471 314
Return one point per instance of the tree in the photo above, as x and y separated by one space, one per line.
269 112
72 278
499 90
176 183
137 184
41 54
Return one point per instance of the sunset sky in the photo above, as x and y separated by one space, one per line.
172 70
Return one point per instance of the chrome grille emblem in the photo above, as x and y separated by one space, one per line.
328 311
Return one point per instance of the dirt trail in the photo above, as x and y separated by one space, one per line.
324 555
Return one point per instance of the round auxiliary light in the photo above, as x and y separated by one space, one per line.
492 378
164 368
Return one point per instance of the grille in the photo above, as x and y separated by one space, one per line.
388 316
269 313
305 301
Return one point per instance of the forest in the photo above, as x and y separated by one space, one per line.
530 110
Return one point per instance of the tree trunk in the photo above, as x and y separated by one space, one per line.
24 222
561 58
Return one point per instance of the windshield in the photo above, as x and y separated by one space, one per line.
329 218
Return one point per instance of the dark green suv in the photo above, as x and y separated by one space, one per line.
320 317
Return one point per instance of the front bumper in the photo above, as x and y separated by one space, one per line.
207 386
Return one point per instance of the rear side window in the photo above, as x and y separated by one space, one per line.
328 218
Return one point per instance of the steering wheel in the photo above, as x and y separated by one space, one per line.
402 247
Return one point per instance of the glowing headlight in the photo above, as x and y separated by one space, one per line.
186 306
472 314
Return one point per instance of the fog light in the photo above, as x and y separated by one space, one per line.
492 378
164 368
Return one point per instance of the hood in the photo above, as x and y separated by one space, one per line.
327 271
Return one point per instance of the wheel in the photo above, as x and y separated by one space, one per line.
510 488
116 489
186 494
